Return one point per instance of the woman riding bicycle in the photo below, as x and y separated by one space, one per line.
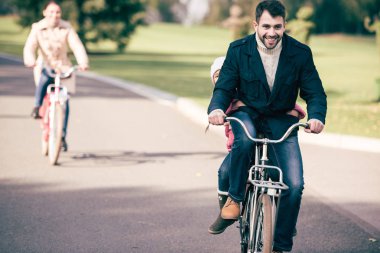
51 37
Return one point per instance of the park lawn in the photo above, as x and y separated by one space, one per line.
177 59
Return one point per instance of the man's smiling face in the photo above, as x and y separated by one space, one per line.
270 30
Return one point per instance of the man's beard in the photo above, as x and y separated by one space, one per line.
275 38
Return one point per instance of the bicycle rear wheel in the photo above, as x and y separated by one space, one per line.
55 132
263 235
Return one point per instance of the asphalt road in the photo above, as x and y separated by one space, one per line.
141 177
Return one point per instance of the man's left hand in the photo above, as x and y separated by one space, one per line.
315 126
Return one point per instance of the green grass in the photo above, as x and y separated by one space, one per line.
177 59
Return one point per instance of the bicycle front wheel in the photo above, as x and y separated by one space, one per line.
263 236
45 127
55 132
245 221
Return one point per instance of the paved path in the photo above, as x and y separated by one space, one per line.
141 177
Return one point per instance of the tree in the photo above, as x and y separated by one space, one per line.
6 7
344 16
95 20
300 27
238 24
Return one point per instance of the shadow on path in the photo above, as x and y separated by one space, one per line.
124 158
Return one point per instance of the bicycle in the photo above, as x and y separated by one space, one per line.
257 220
52 114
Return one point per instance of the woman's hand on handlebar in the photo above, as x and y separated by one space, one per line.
217 117
30 65
83 67
315 126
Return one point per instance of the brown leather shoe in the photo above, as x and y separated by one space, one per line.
230 210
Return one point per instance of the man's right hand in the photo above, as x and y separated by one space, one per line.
216 117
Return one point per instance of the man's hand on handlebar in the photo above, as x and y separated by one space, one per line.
315 126
216 117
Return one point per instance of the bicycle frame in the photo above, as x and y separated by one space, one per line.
262 184
56 95
259 183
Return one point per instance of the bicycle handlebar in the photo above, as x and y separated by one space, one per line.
64 75
266 140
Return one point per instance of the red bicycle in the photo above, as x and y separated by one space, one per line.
52 113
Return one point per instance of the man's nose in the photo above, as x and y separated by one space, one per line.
272 32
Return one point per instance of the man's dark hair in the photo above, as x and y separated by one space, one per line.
274 7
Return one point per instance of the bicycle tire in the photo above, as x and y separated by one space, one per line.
245 221
263 235
45 127
55 133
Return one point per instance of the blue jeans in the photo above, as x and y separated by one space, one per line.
40 93
286 155
223 175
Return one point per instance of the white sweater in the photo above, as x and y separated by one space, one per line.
269 58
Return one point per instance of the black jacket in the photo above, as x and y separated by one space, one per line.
243 76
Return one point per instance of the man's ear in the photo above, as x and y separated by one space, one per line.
255 25
44 13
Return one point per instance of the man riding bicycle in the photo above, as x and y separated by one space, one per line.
266 71
52 36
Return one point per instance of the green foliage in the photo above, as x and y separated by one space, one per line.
341 15
374 27
330 16
333 16
6 7
179 62
95 20
378 89
29 11
300 28
113 20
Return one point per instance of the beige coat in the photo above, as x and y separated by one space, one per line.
51 44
